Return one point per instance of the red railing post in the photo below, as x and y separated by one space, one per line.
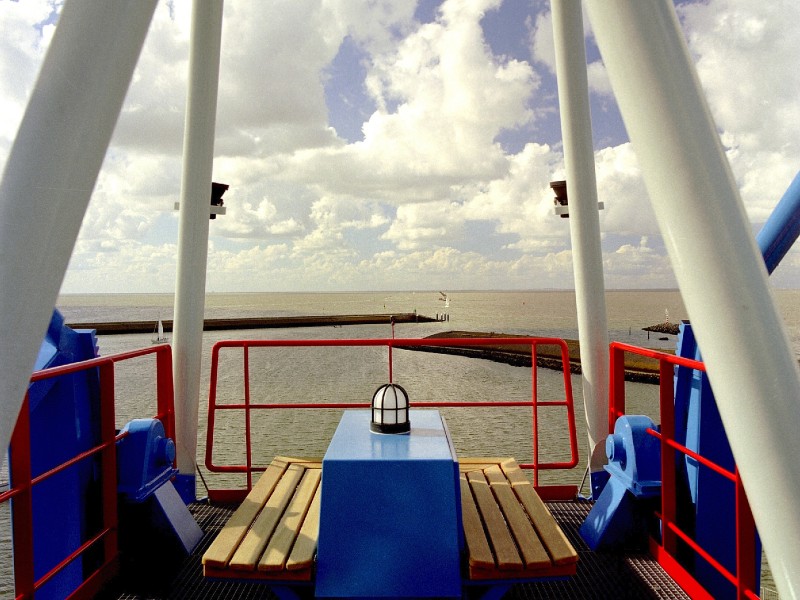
569 404
391 361
745 543
108 461
616 385
668 496
248 440
165 392
212 406
22 504
535 417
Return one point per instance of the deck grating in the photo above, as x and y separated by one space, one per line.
599 575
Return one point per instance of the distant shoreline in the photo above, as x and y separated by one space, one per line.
637 368
122 327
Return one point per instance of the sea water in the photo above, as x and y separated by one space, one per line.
352 374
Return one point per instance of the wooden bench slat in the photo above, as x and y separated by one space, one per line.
530 546
505 549
479 552
253 544
465 465
559 547
305 547
223 547
464 469
277 551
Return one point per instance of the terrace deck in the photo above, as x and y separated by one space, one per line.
633 575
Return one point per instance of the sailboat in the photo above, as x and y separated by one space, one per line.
159 333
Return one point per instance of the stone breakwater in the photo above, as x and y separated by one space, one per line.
120 327
637 368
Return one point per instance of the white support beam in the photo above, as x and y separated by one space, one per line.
751 365
584 221
198 155
51 172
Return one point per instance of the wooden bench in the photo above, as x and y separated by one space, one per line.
273 533
509 532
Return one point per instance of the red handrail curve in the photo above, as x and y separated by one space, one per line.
666 550
23 482
248 405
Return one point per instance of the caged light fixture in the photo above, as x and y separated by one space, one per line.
390 410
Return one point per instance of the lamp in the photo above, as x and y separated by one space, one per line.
390 410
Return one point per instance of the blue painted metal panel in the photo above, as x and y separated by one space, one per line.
64 416
709 507
390 523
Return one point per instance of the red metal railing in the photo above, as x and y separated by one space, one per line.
666 551
22 485
248 405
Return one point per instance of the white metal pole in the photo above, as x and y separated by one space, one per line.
584 222
51 172
751 365
195 206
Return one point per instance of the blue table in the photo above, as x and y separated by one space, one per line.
390 515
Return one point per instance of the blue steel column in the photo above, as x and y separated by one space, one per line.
782 228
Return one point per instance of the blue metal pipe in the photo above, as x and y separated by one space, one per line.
782 228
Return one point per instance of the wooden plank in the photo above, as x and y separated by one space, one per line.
253 544
309 463
468 468
465 465
305 548
479 553
225 544
533 552
482 460
557 544
505 549
277 551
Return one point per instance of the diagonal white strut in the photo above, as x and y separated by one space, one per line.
751 365
51 172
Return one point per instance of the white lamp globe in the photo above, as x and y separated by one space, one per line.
390 410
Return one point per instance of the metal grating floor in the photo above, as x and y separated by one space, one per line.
600 575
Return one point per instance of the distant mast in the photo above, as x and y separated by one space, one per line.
160 337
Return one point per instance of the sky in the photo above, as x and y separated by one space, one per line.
401 145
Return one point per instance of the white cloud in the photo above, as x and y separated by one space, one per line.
22 45
443 99
621 188
429 224
634 266
746 55
429 197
